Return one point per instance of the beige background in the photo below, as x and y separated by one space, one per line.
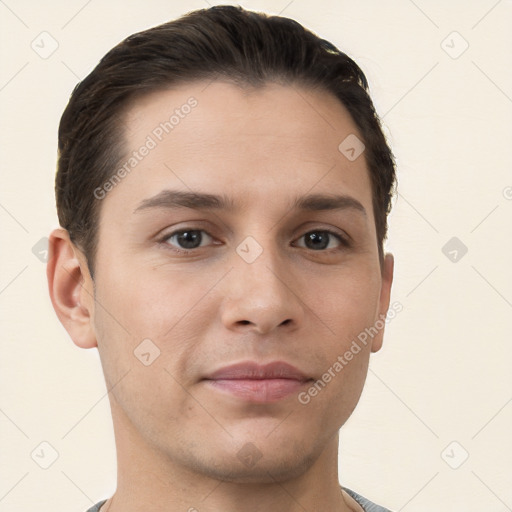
444 372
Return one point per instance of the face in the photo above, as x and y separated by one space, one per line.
237 262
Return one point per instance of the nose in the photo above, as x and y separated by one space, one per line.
260 296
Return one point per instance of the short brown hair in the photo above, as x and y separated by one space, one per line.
225 42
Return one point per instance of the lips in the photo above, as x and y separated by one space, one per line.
257 383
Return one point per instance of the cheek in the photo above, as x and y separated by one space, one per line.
349 309
348 306
333 396
349 303
145 338
147 313
148 301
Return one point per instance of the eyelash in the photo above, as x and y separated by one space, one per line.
344 243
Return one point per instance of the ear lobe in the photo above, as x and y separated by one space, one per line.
385 296
71 289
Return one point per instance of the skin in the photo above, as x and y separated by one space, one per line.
177 437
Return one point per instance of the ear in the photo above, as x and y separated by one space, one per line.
71 289
385 294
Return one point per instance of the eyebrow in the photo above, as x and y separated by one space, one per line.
173 199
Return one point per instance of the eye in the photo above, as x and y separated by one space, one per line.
320 240
187 239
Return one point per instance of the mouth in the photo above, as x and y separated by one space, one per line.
256 383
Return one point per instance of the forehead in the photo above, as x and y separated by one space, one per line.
251 143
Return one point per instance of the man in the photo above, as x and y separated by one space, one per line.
223 187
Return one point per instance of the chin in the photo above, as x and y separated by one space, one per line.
251 466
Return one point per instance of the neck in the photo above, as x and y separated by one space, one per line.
149 476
